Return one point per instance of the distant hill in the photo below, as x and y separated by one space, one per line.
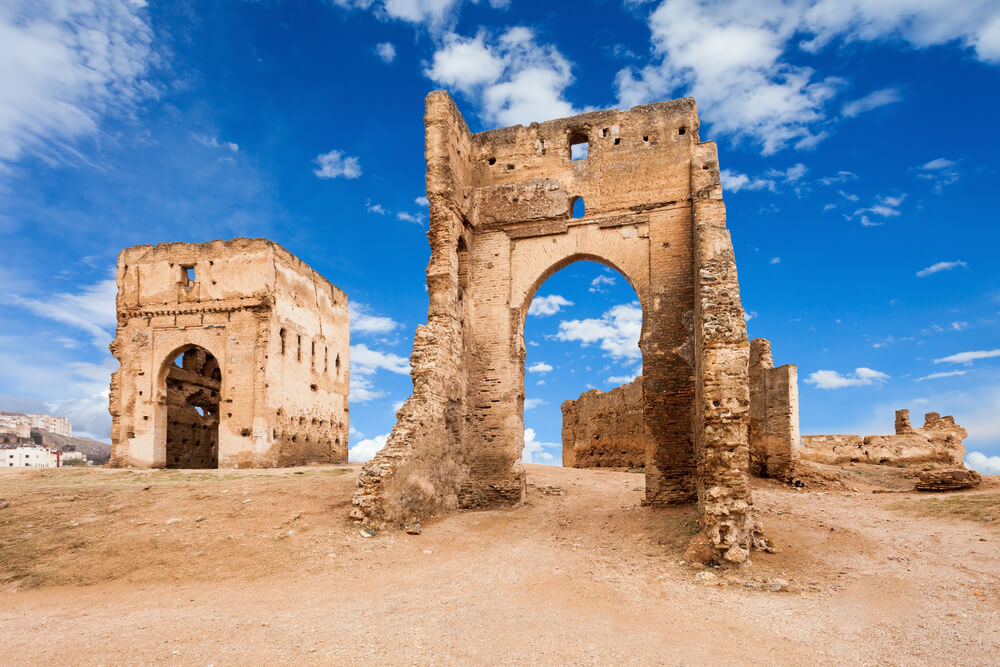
98 452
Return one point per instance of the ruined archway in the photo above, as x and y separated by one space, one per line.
192 382
501 220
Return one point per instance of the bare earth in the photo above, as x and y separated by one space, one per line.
252 567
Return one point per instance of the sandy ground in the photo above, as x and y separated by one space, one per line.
261 567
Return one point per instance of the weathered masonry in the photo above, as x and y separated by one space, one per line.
605 429
774 414
234 354
510 207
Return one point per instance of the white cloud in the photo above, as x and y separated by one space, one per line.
212 142
539 367
735 181
981 463
65 65
534 451
91 310
409 217
775 260
600 282
362 389
542 306
375 208
940 172
735 57
366 361
367 448
386 51
968 357
871 101
422 201
747 316
617 331
833 380
622 379
885 207
841 177
363 321
510 78
935 376
940 266
532 403
335 164
789 175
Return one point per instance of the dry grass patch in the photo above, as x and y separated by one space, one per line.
982 507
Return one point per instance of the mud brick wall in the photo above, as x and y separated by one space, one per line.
276 334
774 414
605 429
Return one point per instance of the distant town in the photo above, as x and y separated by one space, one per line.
45 441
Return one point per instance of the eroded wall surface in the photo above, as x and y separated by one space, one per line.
939 443
605 429
278 331
501 222
774 414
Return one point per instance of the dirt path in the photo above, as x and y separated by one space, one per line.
230 568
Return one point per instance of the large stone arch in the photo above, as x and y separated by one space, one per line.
502 220
189 397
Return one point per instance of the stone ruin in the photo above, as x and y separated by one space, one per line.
774 414
605 429
510 207
938 443
234 354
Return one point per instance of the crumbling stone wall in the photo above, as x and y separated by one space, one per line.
938 443
774 414
501 223
262 343
605 429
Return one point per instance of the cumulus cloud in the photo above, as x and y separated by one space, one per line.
871 101
940 266
422 201
367 448
775 260
535 451
940 172
968 357
981 463
386 52
539 367
362 389
364 321
511 78
600 282
409 217
861 377
542 306
212 142
532 403
336 164
617 331
66 65
735 57
621 379
375 208
365 361
734 181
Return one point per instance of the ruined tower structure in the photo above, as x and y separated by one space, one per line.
234 354
774 414
505 214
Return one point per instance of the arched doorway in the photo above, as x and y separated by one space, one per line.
581 336
193 382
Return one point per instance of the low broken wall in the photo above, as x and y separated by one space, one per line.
605 429
939 442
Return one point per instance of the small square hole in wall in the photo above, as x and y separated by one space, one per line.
579 148
189 275
578 208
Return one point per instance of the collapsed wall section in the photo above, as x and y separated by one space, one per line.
605 429
937 444
774 414
233 353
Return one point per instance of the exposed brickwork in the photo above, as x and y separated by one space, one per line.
774 414
232 353
500 224
605 429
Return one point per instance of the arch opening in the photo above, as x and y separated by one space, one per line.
193 385
580 339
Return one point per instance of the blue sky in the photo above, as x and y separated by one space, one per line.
857 141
